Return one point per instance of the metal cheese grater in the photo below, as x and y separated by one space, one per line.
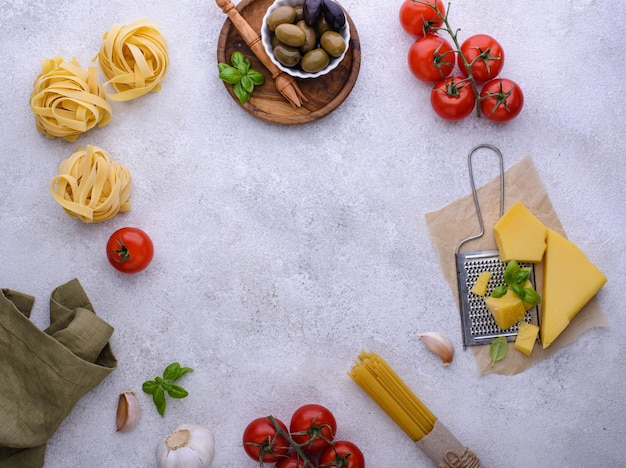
477 323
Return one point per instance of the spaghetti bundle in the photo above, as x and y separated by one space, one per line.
134 59
91 186
397 400
68 100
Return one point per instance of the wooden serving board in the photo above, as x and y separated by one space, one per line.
324 93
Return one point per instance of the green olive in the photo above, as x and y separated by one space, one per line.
322 25
282 14
315 60
333 43
290 34
275 40
288 56
299 12
311 37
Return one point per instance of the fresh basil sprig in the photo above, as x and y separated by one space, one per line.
164 385
515 278
241 76
498 349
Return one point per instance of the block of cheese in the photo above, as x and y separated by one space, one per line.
480 286
506 310
520 235
526 337
570 280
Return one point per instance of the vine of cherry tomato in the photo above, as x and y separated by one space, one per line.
129 250
310 441
479 59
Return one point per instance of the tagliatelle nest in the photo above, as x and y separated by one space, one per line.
91 186
68 100
134 59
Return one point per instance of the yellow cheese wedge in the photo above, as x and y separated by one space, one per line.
480 286
520 235
526 337
570 281
506 310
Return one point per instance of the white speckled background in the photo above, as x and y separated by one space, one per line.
281 252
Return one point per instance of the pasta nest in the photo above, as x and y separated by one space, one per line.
91 186
68 100
134 59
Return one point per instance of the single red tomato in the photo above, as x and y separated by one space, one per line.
484 55
431 58
313 426
342 454
418 18
453 98
262 441
501 100
129 250
293 460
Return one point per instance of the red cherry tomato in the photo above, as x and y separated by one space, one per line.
484 54
129 250
343 454
431 58
291 461
419 18
453 98
263 443
501 100
313 426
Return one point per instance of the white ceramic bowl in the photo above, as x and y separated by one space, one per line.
266 39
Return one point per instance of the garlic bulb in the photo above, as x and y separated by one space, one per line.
439 344
189 446
127 411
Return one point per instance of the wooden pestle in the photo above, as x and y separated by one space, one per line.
285 84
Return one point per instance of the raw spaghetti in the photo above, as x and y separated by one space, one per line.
68 100
91 186
134 59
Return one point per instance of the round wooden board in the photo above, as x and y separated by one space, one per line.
324 94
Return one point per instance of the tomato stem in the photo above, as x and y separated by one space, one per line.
123 253
453 36
297 447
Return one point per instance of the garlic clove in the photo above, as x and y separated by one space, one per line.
128 411
439 344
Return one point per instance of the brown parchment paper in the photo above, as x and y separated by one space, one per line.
457 221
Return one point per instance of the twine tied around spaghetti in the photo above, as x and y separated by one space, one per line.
463 459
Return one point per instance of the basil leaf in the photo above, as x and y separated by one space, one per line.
519 291
230 75
247 84
222 66
243 66
531 296
522 276
241 93
166 386
498 349
510 271
183 371
499 291
237 58
171 372
177 392
149 387
159 401
257 77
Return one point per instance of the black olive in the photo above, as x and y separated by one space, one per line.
335 17
311 11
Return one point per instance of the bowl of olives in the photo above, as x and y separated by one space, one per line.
305 38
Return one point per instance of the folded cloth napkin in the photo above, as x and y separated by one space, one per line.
45 373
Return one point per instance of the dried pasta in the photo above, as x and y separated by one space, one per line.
68 100
91 186
134 59
393 396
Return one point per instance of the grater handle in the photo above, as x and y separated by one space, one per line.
475 194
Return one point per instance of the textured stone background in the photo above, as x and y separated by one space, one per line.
281 252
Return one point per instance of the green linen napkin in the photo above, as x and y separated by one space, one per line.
45 373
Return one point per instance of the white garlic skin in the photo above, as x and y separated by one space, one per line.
189 446
439 344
